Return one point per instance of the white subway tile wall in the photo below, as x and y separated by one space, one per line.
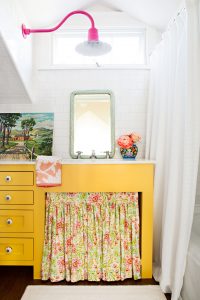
53 89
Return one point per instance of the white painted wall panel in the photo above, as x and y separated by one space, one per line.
15 56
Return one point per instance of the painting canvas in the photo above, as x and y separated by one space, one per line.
23 136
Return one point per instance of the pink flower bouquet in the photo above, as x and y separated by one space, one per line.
128 146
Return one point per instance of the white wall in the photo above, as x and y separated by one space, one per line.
53 89
20 52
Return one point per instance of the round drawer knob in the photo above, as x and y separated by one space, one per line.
8 178
8 197
8 249
9 221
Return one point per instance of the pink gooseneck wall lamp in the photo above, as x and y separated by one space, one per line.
92 47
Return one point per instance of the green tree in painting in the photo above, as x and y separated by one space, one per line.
45 145
7 122
27 126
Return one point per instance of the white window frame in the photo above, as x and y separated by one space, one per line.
90 66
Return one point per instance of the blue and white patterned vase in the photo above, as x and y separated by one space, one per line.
129 153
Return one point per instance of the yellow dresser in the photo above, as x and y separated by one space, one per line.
17 214
22 205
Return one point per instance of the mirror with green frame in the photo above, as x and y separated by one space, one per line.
92 124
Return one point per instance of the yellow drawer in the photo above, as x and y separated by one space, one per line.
16 249
16 178
16 197
16 220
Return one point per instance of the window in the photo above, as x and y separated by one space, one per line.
128 48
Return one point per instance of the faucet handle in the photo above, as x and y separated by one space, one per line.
93 155
107 154
79 154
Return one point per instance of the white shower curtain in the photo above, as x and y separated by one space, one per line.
173 140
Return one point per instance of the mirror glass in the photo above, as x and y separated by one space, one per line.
92 124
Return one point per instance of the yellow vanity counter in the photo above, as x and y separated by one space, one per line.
22 204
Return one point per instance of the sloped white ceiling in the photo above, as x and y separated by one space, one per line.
48 12
12 89
156 13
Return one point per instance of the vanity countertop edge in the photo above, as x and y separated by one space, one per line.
83 162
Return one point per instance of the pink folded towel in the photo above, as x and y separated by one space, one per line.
48 171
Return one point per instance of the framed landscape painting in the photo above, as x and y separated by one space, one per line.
23 136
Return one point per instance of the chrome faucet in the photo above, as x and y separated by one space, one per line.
78 154
107 154
93 154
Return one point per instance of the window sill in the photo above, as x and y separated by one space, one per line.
82 67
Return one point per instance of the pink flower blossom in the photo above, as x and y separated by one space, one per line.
61 263
125 245
78 225
59 225
129 261
112 206
125 141
135 137
126 224
107 236
76 263
69 242
94 198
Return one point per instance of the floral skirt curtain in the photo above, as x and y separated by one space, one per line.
91 236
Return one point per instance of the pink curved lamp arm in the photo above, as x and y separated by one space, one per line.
92 33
